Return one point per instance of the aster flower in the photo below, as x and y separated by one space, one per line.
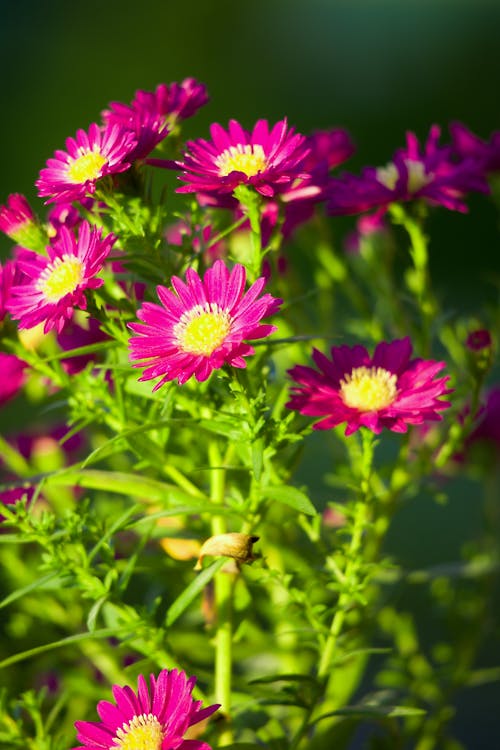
8 275
13 376
431 173
387 390
153 114
467 145
269 160
154 718
202 326
73 174
18 221
53 286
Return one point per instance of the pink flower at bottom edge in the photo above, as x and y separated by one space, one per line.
156 717
386 390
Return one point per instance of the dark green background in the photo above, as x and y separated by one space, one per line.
376 68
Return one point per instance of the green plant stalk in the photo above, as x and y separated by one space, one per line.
351 575
223 584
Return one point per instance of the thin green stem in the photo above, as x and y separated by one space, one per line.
223 584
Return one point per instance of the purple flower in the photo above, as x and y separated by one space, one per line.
13 376
431 173
387 390
479 340
73 174
153 114
156 718
53 286
269 160
202 326
470 146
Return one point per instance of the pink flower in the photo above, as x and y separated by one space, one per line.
201 326
53 286
267 160
431 173
8 276
387 390
17 220
152 114
468 145
13 376
73 174
156 718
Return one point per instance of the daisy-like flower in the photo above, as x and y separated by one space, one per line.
269 160
53 286
149 719
153 114
387 390
468 145
73 174
432 173
202 326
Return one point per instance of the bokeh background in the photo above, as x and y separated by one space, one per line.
376 68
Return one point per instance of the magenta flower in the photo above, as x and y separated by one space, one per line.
433 174
267 160
154 718
387 390
13 376
153 114
8 276
201 326
73 174
18 221
468 145
53 286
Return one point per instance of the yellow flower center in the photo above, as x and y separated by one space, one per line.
369 389
144 732
61 277
417 177
388 175
202 329
247 159
86 167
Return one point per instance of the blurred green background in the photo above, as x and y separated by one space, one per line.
375 68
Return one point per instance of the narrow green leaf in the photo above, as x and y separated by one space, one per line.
197 584
292 497
103 633
38 584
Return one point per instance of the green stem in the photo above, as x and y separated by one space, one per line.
352 573
223 584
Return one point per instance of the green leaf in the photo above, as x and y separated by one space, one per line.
103 633
292 497
40 583
367 711
197 584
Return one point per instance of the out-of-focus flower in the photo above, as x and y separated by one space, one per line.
386 390
152 114
73 174
75 335
468 145
53 286
12 377
201 240
7 279
18 222
488 421
151 719
479 340
431 173
202 326
268 160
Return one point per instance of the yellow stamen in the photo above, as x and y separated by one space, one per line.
417 177
61 277
86 167
247 159
369 389
388 175
144 732
203 329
